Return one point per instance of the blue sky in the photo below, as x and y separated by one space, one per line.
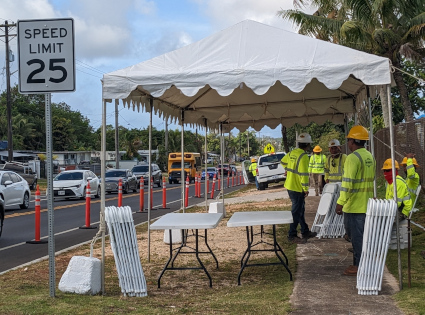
111 34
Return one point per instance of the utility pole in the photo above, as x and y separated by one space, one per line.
8 102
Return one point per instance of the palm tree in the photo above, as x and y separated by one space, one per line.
390 28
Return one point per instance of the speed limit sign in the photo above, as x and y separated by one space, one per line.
46 56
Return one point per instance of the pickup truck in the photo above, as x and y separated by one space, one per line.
270 170
22 169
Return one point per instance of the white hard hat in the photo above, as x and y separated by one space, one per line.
334 143
304 138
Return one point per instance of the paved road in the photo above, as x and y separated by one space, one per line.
69 216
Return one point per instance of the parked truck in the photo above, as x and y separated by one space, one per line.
270 170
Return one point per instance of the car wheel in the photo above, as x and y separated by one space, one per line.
170 181
34 185
159 182
261 186
97 192
125 189
135 187
26 202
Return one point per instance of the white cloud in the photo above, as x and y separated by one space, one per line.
145 7
13 10
224 13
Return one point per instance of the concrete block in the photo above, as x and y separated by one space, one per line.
217 207
83 276
175 234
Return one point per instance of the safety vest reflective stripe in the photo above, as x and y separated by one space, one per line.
334 180
304 185
412 191
403 199
363 180
296 172
410 166
368 189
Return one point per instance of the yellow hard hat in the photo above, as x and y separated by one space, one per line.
359 133
253 160
388 165
317 149
404 162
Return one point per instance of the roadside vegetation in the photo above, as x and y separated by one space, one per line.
263 290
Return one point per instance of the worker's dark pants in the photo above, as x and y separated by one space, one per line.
354 224
298 210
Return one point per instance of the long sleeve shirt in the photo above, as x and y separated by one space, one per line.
296 164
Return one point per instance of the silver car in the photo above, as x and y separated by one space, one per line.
142 170
14 190
129 181
72 184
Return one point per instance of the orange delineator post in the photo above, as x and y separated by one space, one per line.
120 193
196 185
88 199
228 180
164 194
37 219
37 214
233 179
142 194
199 186
186 196
219 182
213 188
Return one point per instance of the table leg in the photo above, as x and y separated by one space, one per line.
247 253
169 259
199 260
277 249
208 246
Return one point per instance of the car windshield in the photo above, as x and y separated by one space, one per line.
272 158
141 168
210 169
69 176
178 165
224 166
116 174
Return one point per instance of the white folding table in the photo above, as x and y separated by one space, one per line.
187 221
261 218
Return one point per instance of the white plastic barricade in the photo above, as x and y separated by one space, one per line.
376 238
327 223
126 253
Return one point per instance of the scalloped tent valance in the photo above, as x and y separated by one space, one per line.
251 75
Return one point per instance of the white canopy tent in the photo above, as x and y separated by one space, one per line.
249 75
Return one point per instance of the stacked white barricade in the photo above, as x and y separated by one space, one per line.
327 223
377 233
126 253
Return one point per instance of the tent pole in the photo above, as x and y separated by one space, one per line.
222 157
102 191
371 140
149 179
182 179
346 133
206 173
390 115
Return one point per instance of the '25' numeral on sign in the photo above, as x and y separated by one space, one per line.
52 67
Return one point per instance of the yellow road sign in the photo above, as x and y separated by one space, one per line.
268 148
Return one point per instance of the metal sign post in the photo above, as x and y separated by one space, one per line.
46 65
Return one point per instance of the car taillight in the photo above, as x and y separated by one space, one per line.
258 173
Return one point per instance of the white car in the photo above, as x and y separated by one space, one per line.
14 190
72 184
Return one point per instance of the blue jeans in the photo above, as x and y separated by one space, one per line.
354 224
298 210
256 182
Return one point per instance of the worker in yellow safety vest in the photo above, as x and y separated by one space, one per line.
356 189
296 165
335 163
316 167
404 201
253 169
410 165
